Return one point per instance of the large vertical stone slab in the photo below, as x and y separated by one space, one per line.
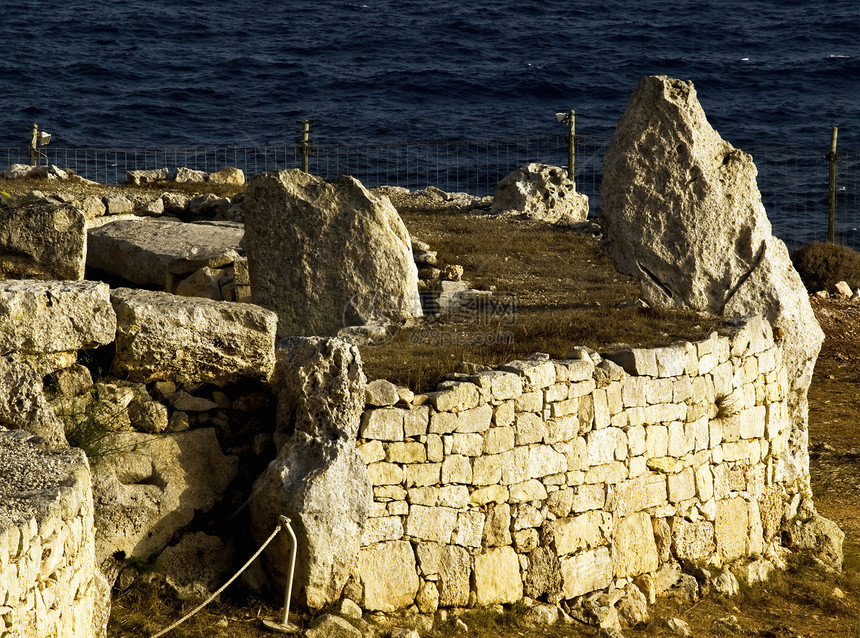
683 213
327 254
319 480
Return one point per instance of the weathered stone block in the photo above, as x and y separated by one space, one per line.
384 528
529 428
682 485
498 439
467 444
588 497
475 420
387 572
528 491
457 469
434 524
634 547
544 461
586 572
636 361
691 541
536 375
497 576
161 336
421 474
501 385
42 241
586 531
731 528
41 317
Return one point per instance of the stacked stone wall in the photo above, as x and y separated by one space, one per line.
553 479
49 585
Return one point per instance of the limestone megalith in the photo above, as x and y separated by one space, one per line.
682 212
325 255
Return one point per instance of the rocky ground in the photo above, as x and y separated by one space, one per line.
803 602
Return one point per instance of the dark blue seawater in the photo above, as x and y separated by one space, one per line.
773 76
240 72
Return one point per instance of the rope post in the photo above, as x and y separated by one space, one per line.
304 143
832 158
285 627
571 144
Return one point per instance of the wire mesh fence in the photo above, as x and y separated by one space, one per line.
793 182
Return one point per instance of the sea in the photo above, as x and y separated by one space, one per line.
774 77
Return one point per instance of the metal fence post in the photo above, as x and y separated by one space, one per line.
571 145
304 142
832 158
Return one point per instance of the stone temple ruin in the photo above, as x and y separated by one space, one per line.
590 485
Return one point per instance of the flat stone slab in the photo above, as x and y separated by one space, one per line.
42 317
191 340
145 250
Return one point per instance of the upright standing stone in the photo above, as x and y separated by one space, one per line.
319 480
327 254
682 212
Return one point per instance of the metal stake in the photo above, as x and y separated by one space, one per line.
833 158
571 144
304 142
286 627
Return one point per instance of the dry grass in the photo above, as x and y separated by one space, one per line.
22 186
566 294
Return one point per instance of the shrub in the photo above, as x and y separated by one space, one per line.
822 265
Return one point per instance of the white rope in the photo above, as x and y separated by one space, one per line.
223 587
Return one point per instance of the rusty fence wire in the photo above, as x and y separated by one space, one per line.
793 182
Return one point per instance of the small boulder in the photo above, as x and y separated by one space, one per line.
227 175
540 192
331 626
188 175
196 566
146 177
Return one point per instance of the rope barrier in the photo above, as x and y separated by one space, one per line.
223 587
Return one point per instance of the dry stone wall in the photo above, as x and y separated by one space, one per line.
553 479
48 582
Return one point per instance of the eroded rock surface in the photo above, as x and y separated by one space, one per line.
164 337
327 254
147 487
682 212
541 192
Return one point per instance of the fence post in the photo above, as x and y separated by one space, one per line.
304 142
832 158
571 145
